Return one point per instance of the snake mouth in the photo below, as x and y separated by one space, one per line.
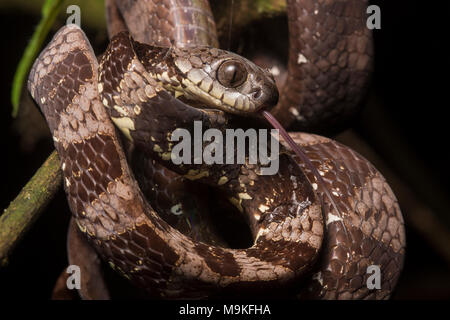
258 100
262 97
202 106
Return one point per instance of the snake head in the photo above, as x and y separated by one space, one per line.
223 80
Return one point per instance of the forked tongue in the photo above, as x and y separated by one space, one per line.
303 157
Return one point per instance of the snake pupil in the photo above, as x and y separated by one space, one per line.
231 74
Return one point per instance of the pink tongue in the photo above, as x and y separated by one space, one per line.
299 152
295 147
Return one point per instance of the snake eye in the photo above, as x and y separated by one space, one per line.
231 74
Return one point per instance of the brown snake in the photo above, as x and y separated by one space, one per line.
319 245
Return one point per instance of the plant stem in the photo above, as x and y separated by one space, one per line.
25 209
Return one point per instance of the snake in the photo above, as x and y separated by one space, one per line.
317 225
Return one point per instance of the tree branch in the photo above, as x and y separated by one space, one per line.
24 210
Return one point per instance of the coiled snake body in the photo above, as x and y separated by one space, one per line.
301 235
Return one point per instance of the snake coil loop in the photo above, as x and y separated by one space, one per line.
329 232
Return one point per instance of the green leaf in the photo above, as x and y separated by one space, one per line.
50 11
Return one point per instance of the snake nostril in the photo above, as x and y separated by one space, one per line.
257 93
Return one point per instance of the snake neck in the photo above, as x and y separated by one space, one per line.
160 65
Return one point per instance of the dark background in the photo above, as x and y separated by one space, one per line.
404 120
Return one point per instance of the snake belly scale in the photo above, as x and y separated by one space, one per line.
295 227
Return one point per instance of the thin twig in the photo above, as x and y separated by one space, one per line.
25 209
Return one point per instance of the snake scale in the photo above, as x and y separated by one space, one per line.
317 235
